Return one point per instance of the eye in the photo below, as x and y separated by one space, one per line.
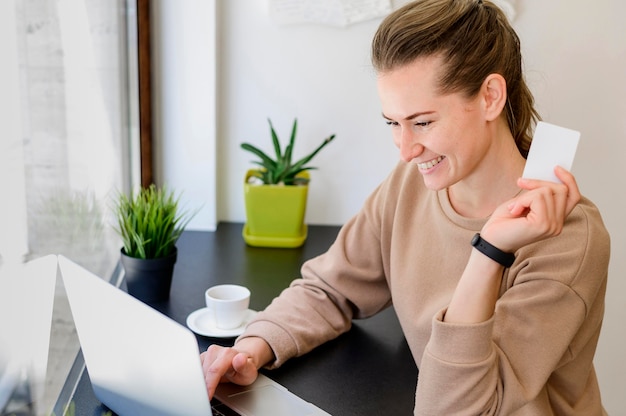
423 123
391 123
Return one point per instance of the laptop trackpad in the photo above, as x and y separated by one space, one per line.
269 400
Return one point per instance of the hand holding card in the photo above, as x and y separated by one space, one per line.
551 146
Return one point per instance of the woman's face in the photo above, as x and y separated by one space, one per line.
444 135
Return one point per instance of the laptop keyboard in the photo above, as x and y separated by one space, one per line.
220 409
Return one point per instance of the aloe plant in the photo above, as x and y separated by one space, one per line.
149 222
281 170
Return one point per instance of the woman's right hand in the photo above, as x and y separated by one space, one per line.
238 364
536 214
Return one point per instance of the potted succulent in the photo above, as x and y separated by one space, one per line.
276 194
149 223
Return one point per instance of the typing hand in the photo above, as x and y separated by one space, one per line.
534 215
222 364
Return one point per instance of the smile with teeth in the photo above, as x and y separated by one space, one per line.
430 163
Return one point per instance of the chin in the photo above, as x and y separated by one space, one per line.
433 185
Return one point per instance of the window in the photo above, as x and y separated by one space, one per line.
69 141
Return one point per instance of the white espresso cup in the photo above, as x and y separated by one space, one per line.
229 304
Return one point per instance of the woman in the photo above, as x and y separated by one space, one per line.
507 329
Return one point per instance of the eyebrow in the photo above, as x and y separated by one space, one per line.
412 116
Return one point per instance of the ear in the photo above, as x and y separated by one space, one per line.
493 92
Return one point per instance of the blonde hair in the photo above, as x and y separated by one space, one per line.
474 38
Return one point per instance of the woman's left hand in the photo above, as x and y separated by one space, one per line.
536 214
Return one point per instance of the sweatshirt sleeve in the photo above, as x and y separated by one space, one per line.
538 346
346 282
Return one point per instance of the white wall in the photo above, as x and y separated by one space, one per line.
184 103
322 76
575 55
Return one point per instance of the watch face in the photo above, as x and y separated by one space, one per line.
475 239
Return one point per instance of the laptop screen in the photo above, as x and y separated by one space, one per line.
26 301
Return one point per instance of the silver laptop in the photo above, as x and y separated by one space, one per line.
26 302
141 362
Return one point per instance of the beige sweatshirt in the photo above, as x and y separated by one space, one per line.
407 246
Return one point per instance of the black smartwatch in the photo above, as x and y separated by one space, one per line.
494 253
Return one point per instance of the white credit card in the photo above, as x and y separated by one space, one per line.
551 146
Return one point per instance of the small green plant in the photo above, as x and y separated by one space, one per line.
281 170
149 222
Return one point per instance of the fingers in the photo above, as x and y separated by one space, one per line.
216 362
245 372
567 190
222 364
543 209
535 214
573 196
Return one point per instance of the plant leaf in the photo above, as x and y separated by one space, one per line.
281 169
266 161
275 141
149 222
299 165
292 142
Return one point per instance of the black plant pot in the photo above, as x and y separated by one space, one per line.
149 280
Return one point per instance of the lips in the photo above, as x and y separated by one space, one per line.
430 163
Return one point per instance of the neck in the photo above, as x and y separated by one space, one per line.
479 207
492 184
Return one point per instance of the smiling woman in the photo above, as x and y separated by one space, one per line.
70 130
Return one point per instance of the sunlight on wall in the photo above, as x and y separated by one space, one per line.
89 136
13 244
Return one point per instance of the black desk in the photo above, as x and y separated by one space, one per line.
367 371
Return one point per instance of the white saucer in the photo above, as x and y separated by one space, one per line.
202 323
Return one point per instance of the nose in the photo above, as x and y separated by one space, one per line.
409 146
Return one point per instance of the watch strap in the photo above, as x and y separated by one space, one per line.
493 252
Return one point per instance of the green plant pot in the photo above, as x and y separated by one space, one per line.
149 280
275 214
